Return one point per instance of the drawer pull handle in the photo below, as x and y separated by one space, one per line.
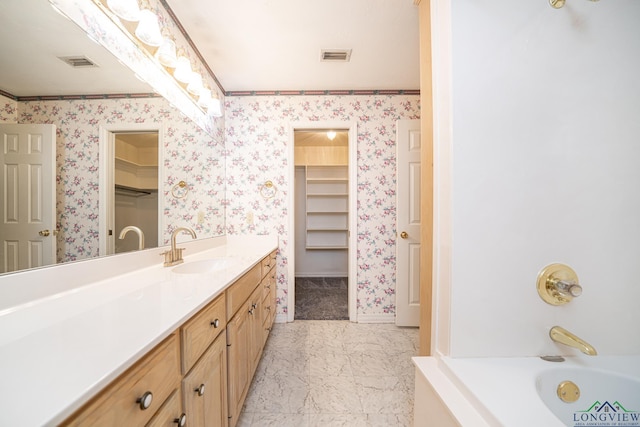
199 390
269 307
145 400
268 286
215 323
254 305
251 311
182 421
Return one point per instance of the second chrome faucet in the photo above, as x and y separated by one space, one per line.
174 255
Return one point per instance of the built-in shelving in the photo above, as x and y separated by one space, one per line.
327 209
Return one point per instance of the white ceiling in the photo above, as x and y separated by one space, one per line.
276 44
249 45
33 36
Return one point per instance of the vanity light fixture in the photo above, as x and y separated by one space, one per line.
331 135
166 53
183 71
125 9
148 29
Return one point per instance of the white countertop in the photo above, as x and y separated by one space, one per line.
59 350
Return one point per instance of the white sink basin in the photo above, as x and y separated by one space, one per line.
203 266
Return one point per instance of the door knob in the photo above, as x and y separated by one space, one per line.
404 235
44 233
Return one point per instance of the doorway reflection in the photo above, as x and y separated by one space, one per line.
135 189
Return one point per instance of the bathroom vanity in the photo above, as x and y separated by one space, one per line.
149 346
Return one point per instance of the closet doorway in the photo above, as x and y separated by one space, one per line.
131 209
324 194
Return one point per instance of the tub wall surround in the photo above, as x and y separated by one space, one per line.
257 139
544 169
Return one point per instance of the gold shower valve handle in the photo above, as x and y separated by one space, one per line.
558 284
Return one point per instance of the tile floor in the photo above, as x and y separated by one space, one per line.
324 373
321 298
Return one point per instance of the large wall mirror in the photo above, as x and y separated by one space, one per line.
57 83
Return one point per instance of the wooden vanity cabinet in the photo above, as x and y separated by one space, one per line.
200 375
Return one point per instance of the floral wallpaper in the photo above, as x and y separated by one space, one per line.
8 110
256 150
190 154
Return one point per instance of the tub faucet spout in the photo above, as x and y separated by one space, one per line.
562 336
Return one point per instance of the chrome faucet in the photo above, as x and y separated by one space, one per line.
137 231
562 336
174 255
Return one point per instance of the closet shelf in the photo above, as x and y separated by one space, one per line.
135 192
327 207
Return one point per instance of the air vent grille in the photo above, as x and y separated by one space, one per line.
78 61
335 55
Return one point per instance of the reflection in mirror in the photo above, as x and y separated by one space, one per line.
79 102
135 191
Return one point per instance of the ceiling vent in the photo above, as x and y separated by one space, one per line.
335 55
78 61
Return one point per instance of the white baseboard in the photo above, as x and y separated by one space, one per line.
376 318
345 274
281 318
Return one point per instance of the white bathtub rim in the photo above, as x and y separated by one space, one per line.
476 379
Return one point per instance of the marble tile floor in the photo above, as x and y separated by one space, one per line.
323 373
321 298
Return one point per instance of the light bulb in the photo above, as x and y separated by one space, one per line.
331 135
183 71
204 101
195 84
166 53
125 9
148 30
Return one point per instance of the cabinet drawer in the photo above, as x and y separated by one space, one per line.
200 331
156 373
238 293
170 414
268 262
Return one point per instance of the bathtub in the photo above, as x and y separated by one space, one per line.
523 392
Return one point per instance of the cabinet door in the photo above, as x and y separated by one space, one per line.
238 343
205 388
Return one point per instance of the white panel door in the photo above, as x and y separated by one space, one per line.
408 223
28 194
